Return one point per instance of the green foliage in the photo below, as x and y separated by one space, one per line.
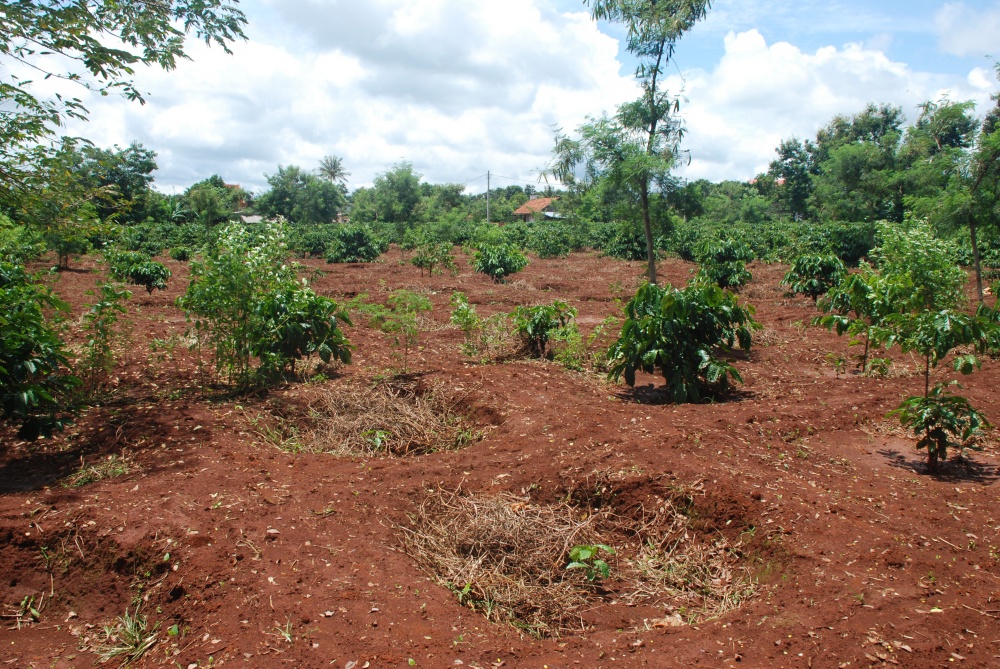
399 318
139 269
857 306
354 243
498 261
623 242
485 338
19 244
723 263
550 240
680 332
101 326
814 275
301 197
34 371
180 253
248 305
587 557
431 256
941 420
535 325
924 270
295 323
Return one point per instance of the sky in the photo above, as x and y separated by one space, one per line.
462 87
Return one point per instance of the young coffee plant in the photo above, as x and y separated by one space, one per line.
434 257
498 261
814 275
535 325
723 263
101 325
940 420
398 318
857 306
180 253
139 269
485 338
680 333
35 380
295 324
550 240
354 243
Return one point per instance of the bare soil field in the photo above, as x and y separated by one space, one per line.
805 528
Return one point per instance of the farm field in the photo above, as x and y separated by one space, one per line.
814 534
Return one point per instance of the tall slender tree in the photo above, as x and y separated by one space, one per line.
654 28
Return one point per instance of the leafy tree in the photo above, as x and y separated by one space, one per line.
795 167
396 195
126 173
814 275
681 332
210 202
96 44
433 256
639 145
301 197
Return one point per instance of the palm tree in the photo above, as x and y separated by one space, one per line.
332 169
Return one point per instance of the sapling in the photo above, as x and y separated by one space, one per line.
814 275
399 318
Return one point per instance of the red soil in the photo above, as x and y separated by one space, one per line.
868 560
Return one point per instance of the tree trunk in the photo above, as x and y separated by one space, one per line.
975 259
648 225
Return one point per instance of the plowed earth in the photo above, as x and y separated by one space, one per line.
265 558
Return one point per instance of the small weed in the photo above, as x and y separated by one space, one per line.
113 467
125 638
27 612
586 558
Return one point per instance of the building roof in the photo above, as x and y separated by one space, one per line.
535 206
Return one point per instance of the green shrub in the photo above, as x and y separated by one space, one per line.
626 243
724 262
102 334
550 240
354 243
485 338
814 275
180 253
434 256
139 269
681 332
35 381
248 305
498 261
19 244
294 324
535 325
941 420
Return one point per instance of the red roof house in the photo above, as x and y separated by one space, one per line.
540 205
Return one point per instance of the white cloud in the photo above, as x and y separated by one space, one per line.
759 94
459 87
455 87
963 31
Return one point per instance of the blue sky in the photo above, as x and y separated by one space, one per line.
460 87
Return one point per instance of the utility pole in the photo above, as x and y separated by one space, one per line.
487 197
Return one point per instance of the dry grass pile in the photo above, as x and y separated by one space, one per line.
505 557
693 577
397 417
